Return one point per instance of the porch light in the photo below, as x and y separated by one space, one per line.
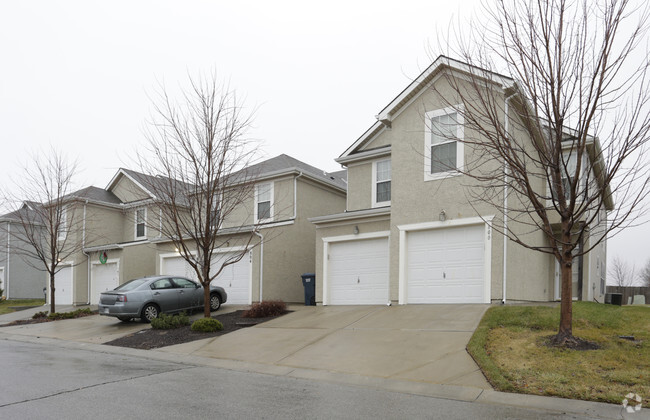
356 230
442 216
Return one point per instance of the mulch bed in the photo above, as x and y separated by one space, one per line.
152 339
41 320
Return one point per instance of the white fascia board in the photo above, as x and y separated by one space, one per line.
369 133
362 214
440 61
380 152
102 247
289 171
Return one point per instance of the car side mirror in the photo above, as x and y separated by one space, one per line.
198 285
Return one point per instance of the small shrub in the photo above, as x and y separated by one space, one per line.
207 325
55 316
266 309
39 315
168 322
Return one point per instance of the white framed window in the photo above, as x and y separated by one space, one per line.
381 183
443 152
63 224
264 202
568 168
140 223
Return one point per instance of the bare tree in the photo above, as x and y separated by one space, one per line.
621 273
644 275
554 146
41 226
195 159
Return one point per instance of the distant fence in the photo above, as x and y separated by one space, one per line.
629 292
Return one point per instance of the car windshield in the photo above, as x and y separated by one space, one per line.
130 285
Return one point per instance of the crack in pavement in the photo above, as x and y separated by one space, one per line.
69 391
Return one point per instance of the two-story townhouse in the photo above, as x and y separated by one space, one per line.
286 194
410 234
20 274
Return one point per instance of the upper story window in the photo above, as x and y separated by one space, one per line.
568 168
263 201
140 223
63 224
443 152
381 180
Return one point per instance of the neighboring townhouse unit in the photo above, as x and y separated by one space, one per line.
21 276
409 233
117 230
287 193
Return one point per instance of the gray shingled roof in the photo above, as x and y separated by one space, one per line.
286 163
95 194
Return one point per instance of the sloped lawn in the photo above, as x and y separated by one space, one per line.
511 345
8 306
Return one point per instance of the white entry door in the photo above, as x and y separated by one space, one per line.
358 272
63 286
446 265
104 277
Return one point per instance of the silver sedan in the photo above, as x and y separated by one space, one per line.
147 297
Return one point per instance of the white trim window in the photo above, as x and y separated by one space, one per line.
381 183
63 224
443 152
140 223
568 168
264 202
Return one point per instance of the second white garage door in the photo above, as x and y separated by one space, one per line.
235 278
446 265
358 272
104 277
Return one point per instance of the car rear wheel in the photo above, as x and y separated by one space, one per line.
149 313
215 302
124 318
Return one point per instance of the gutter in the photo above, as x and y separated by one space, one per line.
83 247
295 195
8 259
505 212
261 261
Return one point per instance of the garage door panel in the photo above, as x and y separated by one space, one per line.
235 278
63 286
446 265
358 272
104 277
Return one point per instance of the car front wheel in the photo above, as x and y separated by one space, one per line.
215 302
149 313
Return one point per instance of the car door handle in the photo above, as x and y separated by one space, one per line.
157 293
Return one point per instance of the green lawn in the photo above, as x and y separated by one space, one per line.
510 346
5 305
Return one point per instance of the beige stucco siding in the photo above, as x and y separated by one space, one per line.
359 186
128 191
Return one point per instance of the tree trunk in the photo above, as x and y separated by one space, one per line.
565 332
52 290
206 300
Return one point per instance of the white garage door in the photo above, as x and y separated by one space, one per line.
104 277
446 265
235 278
358 272
63 286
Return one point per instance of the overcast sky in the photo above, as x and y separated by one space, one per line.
77 74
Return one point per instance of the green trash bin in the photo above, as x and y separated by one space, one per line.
309 283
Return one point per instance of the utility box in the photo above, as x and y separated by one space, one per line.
309 283
617 299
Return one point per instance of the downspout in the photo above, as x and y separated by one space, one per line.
261 262
295 195
505 212
83 247
6 285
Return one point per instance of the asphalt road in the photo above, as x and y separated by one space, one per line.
47 382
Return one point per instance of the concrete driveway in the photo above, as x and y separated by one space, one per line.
421 343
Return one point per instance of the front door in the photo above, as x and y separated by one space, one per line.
165 295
